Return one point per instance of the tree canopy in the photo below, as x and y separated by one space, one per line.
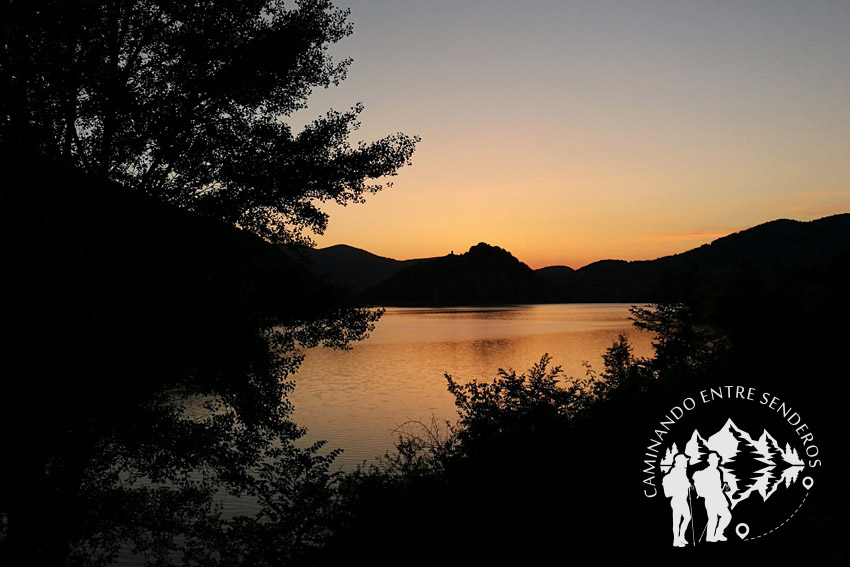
153 350
189 101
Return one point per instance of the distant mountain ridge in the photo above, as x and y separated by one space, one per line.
491 275
354 268
483 275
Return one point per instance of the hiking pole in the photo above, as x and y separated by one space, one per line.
691 509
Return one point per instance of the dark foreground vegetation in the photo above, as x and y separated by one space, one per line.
150 353
149 345
540 470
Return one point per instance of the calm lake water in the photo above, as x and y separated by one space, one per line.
356 399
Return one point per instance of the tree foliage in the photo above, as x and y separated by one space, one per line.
153 383
157 347
682 346
512 402
188 101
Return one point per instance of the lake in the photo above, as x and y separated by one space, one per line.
356 399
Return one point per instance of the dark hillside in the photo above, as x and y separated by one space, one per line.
483 275
489 275
355 268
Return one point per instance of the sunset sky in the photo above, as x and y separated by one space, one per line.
572 131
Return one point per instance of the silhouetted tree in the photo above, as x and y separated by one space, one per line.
155 349
188 101
515 404
682 346
623 373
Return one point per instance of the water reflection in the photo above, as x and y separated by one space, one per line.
356 399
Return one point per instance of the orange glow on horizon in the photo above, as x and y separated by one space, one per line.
405 222
566 147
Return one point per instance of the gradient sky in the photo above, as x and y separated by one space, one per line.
571 131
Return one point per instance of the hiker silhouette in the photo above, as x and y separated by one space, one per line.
676 486
710 485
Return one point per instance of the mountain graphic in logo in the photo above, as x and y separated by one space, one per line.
750 466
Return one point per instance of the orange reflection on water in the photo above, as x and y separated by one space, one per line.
355 399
